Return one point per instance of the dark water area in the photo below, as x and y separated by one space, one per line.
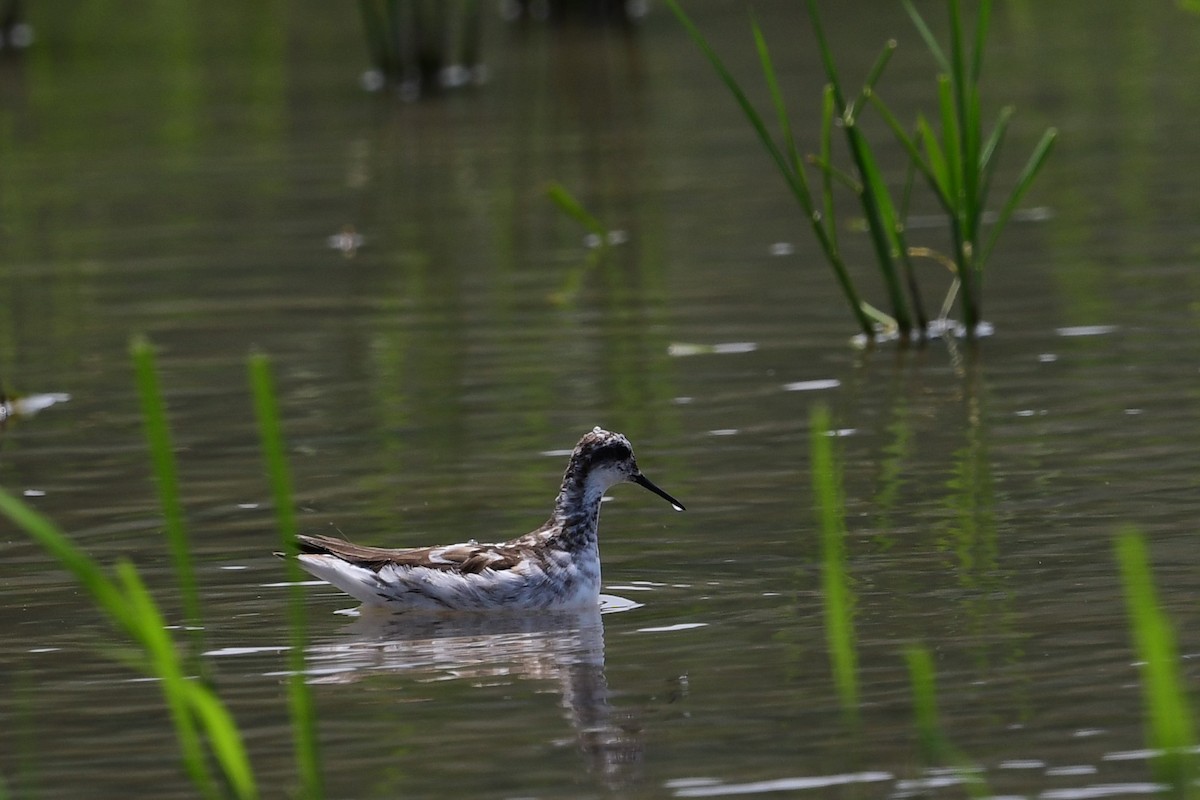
178 171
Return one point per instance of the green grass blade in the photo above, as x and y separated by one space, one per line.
123 613
950 142
827 61
193 705
1166 701
89 575
931 41
158 437
961 226
989 157
958 71
299 697
830 209
970 131
796 180
881 225
981 31
933 172
924 692
224 738
935 749
938 166
567 203
1024 180
976 142
832 173
166 666
129 606
874 195
881 199
772 80
271 439
965 139
910 275
868 88
835 581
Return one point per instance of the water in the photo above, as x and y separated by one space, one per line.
180 175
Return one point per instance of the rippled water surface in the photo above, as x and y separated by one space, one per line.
180 175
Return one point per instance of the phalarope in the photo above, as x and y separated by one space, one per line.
554 566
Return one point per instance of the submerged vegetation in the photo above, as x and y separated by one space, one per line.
835 582
936 750
958 164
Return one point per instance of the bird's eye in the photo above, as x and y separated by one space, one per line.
612 452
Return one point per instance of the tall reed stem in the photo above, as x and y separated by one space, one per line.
158 436
304 730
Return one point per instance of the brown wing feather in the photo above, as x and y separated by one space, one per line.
465 558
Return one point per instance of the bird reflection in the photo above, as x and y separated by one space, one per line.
562 646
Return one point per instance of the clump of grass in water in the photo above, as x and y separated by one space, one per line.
835 581
1170 729
959 168
213 752
421 46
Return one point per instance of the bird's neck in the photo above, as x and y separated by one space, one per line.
577 512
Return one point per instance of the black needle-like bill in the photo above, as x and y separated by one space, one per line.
645 483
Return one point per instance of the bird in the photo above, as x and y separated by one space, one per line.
555 566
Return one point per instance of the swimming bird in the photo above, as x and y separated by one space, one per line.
555 566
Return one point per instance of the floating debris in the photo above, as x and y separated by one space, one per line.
348 241
799 783
29 405
679 626
611 238
812 386
1086 330
682 349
